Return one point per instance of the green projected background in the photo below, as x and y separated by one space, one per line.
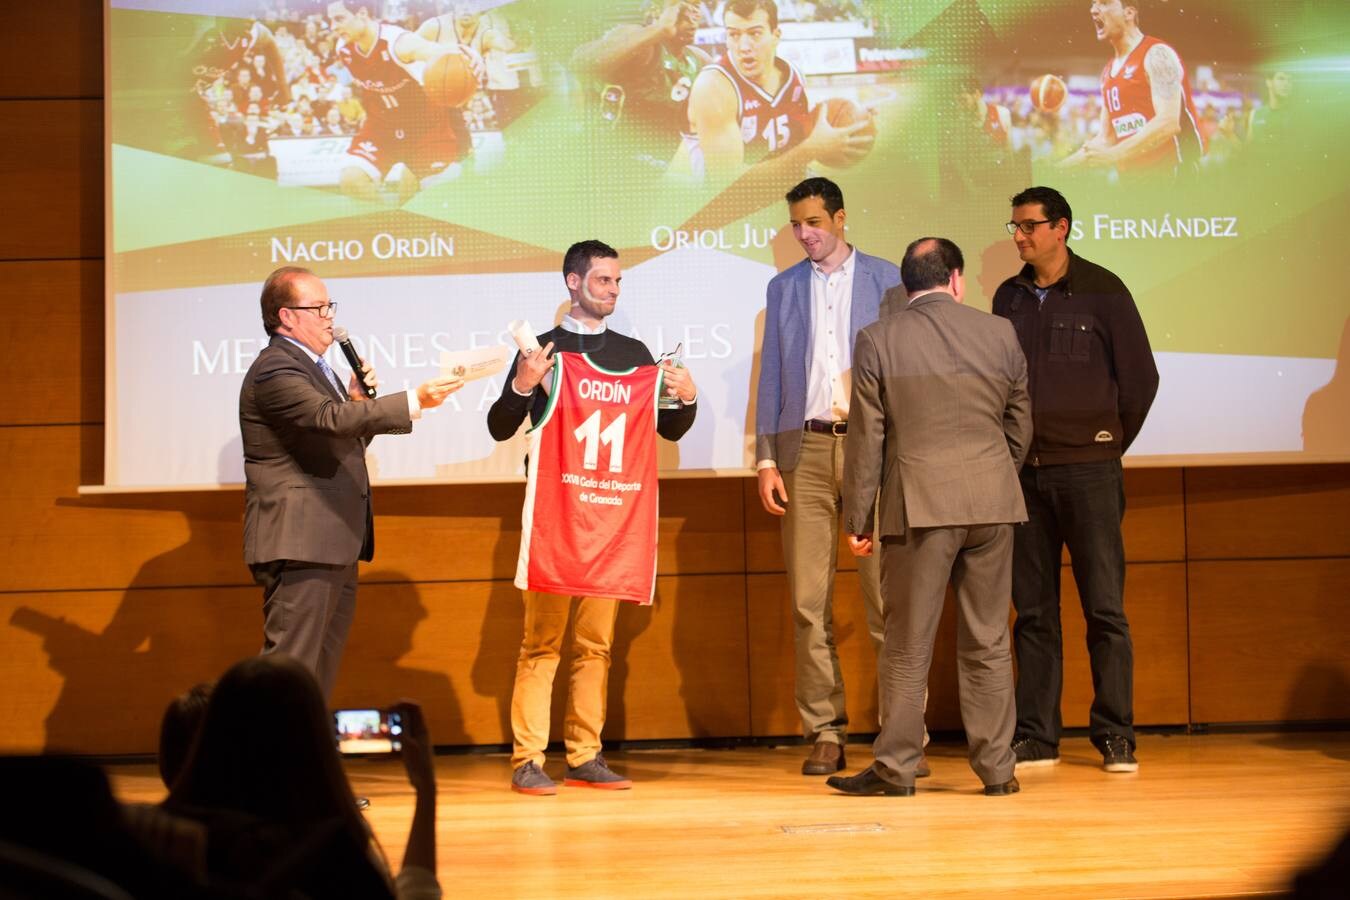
243 137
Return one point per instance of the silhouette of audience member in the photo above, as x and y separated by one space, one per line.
265 779
182 719
68 838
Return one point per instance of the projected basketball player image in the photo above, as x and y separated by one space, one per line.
978 157
639 77
402 123
218 53
1148 121
752 110
486 39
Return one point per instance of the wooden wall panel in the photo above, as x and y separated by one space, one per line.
62 541
428 533
53 342
51 176
1154 527
472 532
91 672
1269 639
1155 516
55 49
1155 604
1264 512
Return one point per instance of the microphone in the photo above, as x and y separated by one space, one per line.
344 341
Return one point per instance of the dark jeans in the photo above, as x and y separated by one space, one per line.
1081 505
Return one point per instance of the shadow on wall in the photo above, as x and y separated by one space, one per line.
1326 415
162 638
1321 693
381 662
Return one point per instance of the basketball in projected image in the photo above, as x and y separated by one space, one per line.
1048 93
842 112
450 80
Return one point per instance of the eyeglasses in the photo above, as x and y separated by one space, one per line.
327 311
1027 226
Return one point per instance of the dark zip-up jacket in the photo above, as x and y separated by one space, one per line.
1090 368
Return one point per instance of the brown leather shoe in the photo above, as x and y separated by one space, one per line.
826 758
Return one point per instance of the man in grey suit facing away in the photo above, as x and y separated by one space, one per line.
940 419
307 515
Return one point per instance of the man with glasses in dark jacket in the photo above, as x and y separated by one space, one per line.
1092 380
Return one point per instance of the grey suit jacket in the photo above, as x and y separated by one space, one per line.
939 418
785 358
307 492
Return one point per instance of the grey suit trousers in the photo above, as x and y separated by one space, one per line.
307 612
915 569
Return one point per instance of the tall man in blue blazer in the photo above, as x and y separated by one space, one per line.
815 310
307 515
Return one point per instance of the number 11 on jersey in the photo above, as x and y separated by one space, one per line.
589 433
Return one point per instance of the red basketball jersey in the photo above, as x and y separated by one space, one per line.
993 126
770 124
393 95
220 51
1128 99
589 522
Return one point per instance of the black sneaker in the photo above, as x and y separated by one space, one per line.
1031 753
1117 756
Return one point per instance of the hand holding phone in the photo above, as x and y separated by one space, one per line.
361 731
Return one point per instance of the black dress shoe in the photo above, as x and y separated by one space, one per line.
1002 790
826 758
868 783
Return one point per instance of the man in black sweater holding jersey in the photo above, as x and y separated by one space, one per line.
591 270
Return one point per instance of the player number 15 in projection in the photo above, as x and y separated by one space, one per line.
589 433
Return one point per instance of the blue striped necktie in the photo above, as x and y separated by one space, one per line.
332 376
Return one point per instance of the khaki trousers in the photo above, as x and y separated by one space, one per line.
810 548
592 635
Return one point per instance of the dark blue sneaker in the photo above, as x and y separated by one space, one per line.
530 779
595 774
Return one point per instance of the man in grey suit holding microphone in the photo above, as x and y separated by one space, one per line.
307 514
940 419
815 309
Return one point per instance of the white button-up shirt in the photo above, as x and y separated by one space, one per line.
829 372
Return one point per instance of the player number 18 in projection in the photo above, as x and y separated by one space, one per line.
589 433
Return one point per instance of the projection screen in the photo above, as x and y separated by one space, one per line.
244 135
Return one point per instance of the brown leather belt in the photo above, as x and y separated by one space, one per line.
838 429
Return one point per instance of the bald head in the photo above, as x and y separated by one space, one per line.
932 263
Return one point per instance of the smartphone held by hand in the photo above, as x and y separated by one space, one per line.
362 731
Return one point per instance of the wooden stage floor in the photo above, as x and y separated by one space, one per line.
1205 816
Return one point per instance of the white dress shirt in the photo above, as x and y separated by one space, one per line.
830 370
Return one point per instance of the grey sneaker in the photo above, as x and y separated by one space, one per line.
1117 756
595 774
530 779
1031 753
